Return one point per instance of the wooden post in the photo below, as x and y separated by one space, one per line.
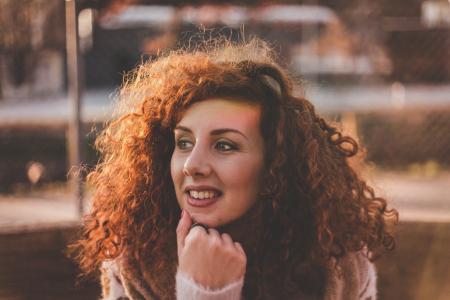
74 92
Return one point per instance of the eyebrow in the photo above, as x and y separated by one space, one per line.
214 132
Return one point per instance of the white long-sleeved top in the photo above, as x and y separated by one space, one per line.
357 281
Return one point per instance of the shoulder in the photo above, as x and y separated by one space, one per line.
355 278
122 278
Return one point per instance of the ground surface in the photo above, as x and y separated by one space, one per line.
36 227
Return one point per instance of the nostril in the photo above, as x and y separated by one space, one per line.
186 172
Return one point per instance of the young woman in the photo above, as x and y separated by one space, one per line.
216 182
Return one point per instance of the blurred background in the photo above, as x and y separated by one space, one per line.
379 69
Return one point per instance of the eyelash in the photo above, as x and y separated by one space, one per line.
181 144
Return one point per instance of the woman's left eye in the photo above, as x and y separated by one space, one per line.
225 146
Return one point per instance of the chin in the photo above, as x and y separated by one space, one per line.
206 219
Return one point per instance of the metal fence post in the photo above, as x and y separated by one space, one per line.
74 93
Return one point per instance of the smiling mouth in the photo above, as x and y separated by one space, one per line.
202 198
203 195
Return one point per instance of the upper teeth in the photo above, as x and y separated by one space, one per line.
202 194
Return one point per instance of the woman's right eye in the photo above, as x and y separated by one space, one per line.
184 144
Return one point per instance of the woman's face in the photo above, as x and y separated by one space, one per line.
218 160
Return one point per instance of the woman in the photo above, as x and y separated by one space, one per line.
270 205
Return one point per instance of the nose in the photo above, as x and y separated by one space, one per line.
197 164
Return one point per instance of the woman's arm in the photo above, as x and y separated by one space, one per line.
188 289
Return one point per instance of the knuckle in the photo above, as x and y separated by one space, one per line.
226 236
215 243
197 231
241 257
229 252
213 231
193 236
188 241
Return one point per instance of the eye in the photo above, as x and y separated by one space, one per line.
225 146
184 144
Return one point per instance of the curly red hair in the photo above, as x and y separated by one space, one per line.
315 205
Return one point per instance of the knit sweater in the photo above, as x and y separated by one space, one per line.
357 280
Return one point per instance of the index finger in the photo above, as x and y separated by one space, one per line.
183 229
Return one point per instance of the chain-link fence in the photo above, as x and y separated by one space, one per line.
407 138
387 63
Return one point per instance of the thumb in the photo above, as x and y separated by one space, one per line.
183 229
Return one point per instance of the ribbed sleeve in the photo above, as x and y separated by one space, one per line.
188 289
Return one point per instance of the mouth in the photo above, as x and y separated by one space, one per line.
202 196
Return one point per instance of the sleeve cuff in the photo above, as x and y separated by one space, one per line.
188 289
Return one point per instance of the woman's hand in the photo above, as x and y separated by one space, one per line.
213 260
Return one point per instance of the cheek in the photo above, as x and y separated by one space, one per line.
243 176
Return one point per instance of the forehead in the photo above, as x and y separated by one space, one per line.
218 112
